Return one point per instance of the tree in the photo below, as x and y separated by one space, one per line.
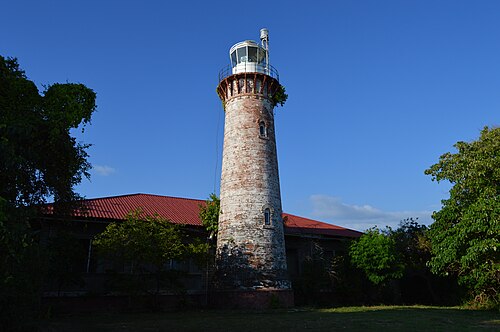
375 253
412 244
38 156
209 215
39 159
280 96
418 285
465 235
147 244
396 261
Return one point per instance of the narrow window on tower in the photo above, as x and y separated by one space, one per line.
267 217
262 129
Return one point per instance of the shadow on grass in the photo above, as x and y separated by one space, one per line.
413 318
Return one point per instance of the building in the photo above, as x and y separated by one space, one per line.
301 236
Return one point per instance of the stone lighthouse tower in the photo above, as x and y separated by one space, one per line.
250 241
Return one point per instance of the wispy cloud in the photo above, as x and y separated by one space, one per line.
361 217
104 170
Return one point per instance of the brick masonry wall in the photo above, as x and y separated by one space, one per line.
250 254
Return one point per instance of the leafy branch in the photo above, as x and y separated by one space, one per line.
280 96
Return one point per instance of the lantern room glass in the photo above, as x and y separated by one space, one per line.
248 54
242 54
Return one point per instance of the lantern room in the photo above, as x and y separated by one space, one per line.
249 57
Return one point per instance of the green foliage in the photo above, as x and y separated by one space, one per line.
375 253
198 250
465 236
147 243
209 214
142 240
396 262
412 244
38 156
280 96
38 159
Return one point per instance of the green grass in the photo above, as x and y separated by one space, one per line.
382 318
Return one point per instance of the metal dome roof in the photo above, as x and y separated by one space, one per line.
244 43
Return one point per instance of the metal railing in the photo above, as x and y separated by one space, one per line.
251 66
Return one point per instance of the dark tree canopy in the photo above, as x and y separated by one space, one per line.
39 159
465 236
38 156
412 244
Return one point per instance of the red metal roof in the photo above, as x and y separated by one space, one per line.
301 226
185 211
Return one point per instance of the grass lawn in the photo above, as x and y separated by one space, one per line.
383 318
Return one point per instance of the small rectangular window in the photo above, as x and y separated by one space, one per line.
262 129
267 216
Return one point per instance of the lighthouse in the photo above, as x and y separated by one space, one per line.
250 241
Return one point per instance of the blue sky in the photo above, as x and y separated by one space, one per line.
378 90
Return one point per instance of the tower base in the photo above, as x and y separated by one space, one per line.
251 299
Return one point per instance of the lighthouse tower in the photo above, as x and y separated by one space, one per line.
250 241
